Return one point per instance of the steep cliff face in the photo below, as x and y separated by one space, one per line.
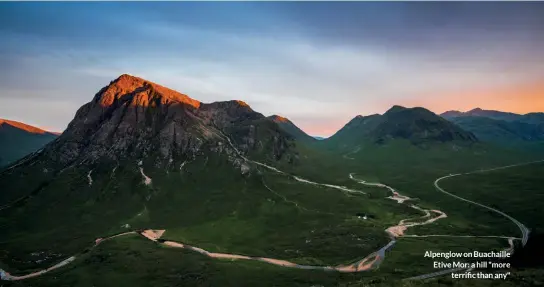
130 117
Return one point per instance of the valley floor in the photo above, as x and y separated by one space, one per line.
327 234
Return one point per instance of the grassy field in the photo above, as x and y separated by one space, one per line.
133 261
514 191
211 205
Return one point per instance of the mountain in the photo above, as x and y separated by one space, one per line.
138 154
206 177
417 125
134 118
501 131
290 128
133 125
319 138
500 127
142 156
477 112
531 118
19 139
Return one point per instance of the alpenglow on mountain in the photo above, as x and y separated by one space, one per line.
133 122
137 155
135 118
18 139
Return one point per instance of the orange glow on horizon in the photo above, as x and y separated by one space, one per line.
521 99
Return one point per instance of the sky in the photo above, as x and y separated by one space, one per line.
317 63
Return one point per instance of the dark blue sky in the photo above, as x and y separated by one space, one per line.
318 63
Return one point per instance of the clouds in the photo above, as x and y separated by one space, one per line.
317 64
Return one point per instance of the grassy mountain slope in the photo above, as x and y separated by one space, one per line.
232 215
292 129
417 125
501 131
18 139
500 127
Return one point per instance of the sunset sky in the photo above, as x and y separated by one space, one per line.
318 64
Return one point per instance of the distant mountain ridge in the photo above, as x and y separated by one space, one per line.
25 127
417 125
19 139
533 118
500 127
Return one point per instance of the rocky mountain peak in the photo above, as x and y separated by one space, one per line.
241 103
279 119
132 118
139 92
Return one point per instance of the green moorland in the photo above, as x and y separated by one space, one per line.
211 206
412 170
513 190
208 204
131 261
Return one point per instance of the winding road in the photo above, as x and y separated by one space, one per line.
369 262
524 230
